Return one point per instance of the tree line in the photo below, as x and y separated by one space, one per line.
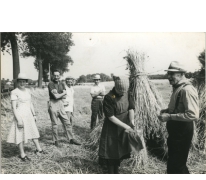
50 50
89 78
188 75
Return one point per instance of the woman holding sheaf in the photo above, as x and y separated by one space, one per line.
118 108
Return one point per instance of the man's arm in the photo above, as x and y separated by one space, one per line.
164 111
101 93
94 94
190 101
56 95
59 96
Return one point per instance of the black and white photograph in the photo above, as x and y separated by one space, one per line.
101 101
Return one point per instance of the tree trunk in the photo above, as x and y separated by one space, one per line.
40 70
15 56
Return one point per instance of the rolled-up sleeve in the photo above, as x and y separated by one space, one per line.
51 87
108 106
191 106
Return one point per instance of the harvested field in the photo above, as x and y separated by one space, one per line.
71 159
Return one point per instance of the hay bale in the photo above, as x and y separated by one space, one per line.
148 103
147 99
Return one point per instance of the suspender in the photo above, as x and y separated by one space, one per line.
178 98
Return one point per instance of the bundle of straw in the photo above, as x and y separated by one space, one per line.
148 102
199 138
92 143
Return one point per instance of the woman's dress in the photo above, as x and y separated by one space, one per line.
29 131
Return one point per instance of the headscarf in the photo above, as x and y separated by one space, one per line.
121 84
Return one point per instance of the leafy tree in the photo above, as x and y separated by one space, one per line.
199 83
201 74
9 43
48 47
3 82
82 79
89 78
105 77
201 59
46 75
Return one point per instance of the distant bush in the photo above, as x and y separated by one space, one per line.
158 76
89 78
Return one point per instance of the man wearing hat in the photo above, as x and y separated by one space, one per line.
97 93
180 115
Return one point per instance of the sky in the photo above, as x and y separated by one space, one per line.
104 52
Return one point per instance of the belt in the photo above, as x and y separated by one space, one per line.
98 98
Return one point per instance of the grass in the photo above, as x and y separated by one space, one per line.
71 159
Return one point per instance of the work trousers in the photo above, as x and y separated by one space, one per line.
177 156
97 111
70 117
179 142
56 110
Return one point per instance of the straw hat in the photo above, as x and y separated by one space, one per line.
176 66
22 76
97 76
69 78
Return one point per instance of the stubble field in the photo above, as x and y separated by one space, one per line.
71 159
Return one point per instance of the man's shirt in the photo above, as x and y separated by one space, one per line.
59 86
97 88
188 107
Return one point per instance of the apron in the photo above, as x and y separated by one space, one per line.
112 144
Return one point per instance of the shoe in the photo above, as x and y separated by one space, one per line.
25 158
56 143
41 152
75 142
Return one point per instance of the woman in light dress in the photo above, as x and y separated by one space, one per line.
23 127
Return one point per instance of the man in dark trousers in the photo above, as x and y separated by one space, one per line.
57 92
182 111
97 93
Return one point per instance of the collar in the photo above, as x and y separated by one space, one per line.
181 82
